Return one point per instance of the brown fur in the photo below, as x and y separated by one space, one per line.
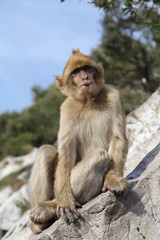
92 146
78 60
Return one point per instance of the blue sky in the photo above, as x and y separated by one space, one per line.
36 39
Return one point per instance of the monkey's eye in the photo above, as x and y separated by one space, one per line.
88 69
76 71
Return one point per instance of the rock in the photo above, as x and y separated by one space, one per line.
143 149
13 203
142 126
13 164
12 209
22 231
5 194
134 216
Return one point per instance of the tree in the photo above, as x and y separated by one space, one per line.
38 92
128 53
133 7
35 126
130 48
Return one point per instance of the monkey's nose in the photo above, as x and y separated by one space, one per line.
84 76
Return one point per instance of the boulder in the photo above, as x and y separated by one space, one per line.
134 216
12 209
143 124
13 174
14 164
21 231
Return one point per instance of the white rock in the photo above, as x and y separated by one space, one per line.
142 125
4 194
10 213
12 164
21 231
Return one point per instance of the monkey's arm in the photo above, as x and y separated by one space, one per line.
118 148
114 180
66 203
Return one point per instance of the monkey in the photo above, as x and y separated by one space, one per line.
92 147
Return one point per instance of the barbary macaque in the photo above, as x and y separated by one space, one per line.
92 147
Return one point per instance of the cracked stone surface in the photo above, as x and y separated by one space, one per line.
135 216
143 127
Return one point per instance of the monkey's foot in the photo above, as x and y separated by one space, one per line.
43 212
38 228
117 185
69 214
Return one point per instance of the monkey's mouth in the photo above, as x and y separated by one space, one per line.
86 85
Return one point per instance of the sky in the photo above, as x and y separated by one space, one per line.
36 39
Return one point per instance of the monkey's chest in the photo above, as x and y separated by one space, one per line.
93 131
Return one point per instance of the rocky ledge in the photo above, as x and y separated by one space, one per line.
134 216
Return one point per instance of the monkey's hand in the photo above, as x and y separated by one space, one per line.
68 211
116 184
43 212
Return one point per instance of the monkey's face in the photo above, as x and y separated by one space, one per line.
84 80
82 77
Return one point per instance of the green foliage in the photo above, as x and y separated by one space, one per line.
12 178
23 206
38 92
35 126
142 11
132 99
19 145
7 180
129 52
44 116
105 4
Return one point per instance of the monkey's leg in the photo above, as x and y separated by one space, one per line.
87 177
41 180
41 189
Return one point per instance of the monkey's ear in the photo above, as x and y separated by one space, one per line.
76 51
59 81
100 65
100 69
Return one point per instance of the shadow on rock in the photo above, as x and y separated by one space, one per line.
142 166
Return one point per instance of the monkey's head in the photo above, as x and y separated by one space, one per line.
81 76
